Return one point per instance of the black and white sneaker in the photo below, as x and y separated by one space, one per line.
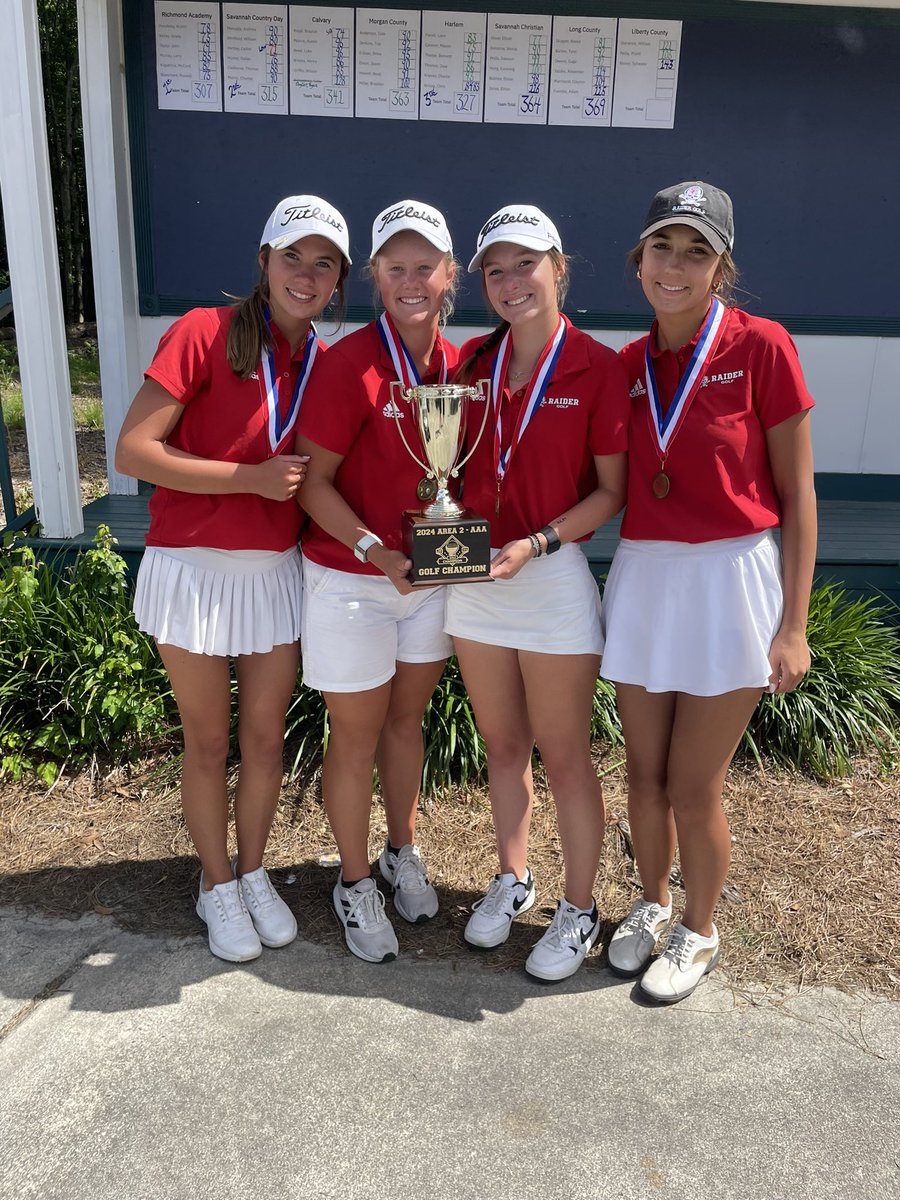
564 947
367 931
493 915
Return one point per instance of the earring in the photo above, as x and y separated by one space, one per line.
639 272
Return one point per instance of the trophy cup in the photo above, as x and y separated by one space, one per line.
447 543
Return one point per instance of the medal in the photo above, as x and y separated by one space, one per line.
280 428
661 485
426 489
665 425
537 389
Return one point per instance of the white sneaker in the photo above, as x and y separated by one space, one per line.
272 919
231 932
414 897
367 930
634 942
493 915
565 945
688 956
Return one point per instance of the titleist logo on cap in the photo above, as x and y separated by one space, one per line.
397 214
310 211
507 219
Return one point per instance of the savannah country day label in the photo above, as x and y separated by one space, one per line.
321 80
188 55
452 84
255 47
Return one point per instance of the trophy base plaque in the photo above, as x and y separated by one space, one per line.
452 551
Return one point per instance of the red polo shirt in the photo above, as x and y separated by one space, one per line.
584 413
348 410
721 483
224 418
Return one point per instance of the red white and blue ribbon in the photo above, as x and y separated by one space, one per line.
666 425
281 427
404 368
537 389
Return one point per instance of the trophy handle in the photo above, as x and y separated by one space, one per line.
403 396
485 386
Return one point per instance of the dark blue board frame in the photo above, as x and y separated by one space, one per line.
792 109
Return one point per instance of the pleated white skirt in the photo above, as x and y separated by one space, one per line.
690 618
220 602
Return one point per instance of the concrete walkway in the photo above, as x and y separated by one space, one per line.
136 1067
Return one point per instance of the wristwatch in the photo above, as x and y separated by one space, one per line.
365 544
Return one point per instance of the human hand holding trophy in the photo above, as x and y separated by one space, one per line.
445 542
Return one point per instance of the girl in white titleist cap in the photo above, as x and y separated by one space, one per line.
212 427
701 611
372 645
549 470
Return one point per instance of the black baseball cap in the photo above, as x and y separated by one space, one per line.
699 205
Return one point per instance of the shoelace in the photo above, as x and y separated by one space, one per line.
367 907
497 898
260 889
229 903
641 918
564 930
410 874
680 947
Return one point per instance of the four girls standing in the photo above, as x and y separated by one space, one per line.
699 613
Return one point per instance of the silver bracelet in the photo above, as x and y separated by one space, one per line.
536 545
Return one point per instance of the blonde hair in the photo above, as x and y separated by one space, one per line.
454 267
248 334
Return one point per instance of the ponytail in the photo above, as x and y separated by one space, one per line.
466 371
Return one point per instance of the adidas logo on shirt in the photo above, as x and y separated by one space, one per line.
391 411
638 390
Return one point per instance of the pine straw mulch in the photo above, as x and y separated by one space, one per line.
810 898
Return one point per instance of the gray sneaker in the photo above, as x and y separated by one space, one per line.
414 897
367 931
634 942
231 932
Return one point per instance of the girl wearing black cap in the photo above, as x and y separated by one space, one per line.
701 612
549 470
212 427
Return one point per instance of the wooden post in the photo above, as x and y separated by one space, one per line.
34 274
101 59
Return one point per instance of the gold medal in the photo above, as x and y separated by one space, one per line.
426 489
660 486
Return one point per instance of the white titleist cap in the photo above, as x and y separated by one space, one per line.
297 217
522 224
415 215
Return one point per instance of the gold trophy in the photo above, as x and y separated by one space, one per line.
446 542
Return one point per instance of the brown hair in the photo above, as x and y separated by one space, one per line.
248 334
724 289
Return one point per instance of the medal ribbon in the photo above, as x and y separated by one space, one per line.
404 367
537 389
665 426
279 429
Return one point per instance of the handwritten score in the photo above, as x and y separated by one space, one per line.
581 71
321 61
647 58
255 58
387 63
452 85
188 55
518 66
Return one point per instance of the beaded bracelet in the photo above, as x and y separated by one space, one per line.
536 545
553 542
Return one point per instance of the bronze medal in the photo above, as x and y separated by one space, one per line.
660 485
426 489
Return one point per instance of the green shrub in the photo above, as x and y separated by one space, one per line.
76 674
849 701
